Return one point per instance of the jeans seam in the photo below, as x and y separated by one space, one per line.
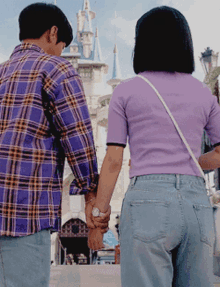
182 214
203 237
3 271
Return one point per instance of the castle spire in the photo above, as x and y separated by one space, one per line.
86 5
116 74
97 54
87 27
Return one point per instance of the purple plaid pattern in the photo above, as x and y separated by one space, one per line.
31 161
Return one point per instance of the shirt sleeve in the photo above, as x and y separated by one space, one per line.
117 120
72 120
213 125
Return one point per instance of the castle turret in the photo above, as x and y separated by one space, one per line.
116 73
84 29
97 54
86 5
87 26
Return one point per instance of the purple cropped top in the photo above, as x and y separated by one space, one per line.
137 115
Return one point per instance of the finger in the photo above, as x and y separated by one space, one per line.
104 230
101 225
88 212
90 224
108 212
89 221
101 219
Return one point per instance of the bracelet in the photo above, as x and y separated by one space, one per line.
91 200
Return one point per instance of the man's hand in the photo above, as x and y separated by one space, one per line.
95 239
101 222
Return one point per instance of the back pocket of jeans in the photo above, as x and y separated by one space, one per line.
149 219
205 217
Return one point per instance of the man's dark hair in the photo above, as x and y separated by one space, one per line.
37 18
163 42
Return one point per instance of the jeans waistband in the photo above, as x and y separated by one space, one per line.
177 179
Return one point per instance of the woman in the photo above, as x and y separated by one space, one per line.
166 224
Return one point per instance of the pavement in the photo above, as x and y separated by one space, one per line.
89 275
85 275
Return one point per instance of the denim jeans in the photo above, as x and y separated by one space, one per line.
166 232
25 261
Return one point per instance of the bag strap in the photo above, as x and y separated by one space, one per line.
179 131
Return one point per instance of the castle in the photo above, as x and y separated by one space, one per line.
85 55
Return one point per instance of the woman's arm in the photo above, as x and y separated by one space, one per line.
110 170
210 160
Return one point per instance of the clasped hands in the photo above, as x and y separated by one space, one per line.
97 226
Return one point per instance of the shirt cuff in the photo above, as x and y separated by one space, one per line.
76 190
116 144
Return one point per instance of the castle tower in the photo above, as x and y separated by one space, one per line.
97 54
87 34
116 73
84 15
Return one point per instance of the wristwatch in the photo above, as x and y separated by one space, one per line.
96 212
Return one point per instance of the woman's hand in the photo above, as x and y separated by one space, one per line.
100 221
93 222
95 239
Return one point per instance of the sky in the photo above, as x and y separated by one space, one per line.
203 17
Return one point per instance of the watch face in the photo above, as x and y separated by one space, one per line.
95 212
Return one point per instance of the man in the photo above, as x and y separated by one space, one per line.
43 119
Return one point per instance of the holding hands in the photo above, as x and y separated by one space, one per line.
100 201
98 225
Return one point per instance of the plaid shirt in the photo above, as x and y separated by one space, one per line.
31 157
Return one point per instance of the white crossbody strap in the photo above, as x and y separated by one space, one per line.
177 128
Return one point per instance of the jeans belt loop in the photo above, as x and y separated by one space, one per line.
133 180
177 181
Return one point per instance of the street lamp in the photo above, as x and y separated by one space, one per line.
209 60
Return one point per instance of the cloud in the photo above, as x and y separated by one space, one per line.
125 29
3 55
9 23
204 21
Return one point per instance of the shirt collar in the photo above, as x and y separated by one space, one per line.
27 46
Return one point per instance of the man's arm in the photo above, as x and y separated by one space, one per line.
210 160
72 119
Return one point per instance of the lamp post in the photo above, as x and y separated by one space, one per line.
209 60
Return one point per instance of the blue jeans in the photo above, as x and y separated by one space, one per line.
166 232
25 261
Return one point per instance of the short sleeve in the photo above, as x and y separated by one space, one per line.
213 125
117 120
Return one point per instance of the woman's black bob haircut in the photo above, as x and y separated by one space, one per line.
37 18
163 42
